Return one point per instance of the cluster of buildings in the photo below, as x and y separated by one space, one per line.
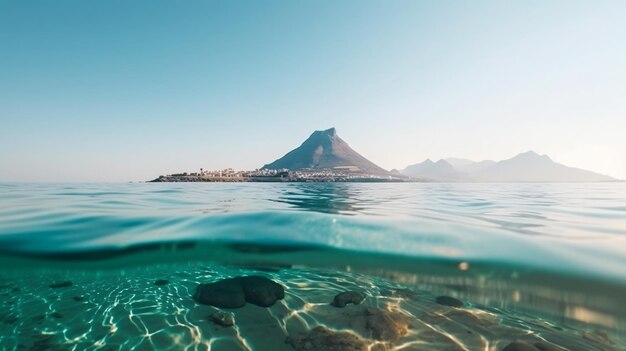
271 175
330 175
231 173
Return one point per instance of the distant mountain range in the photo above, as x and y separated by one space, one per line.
326 150
526 167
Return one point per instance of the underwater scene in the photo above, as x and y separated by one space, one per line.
313 266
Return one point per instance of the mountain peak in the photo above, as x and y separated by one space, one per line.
533 167
324 149
460 162
324 136
528 166
330 131
431 170
530 154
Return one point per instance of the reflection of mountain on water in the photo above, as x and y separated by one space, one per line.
333 198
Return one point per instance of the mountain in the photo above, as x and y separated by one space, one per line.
525 167
459 163
429 170
532 167
468 166
324 149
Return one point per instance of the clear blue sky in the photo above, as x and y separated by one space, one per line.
128 90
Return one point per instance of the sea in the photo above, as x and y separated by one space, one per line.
425 266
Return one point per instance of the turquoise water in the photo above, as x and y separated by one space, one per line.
536 263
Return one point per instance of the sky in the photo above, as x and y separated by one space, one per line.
118 90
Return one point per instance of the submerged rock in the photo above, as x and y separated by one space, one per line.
599 337
78 298
519 346
324 339
227 293
386 325
223 318
235 292
160 282
57 315
449 301
64 284
261 291
346 297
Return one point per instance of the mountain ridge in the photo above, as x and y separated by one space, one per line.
528 166
325 150
429 170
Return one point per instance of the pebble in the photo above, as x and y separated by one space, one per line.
64 284
449 301
222 318
346 297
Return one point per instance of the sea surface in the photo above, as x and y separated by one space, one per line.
440 266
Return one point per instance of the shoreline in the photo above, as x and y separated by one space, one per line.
276 179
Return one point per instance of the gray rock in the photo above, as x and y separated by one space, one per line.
261 291
449 301
346 297
64 284
324 339
222 318
235 292
227 293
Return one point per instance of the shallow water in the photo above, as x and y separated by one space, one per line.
531 262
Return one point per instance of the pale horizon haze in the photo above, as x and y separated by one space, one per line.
130 90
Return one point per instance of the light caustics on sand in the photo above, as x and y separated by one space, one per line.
127 311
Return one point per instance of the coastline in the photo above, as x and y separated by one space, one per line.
276 179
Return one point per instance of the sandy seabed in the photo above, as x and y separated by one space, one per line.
152 308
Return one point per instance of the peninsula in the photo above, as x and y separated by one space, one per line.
325 157
322 157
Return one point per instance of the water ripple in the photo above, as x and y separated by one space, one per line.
563 227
